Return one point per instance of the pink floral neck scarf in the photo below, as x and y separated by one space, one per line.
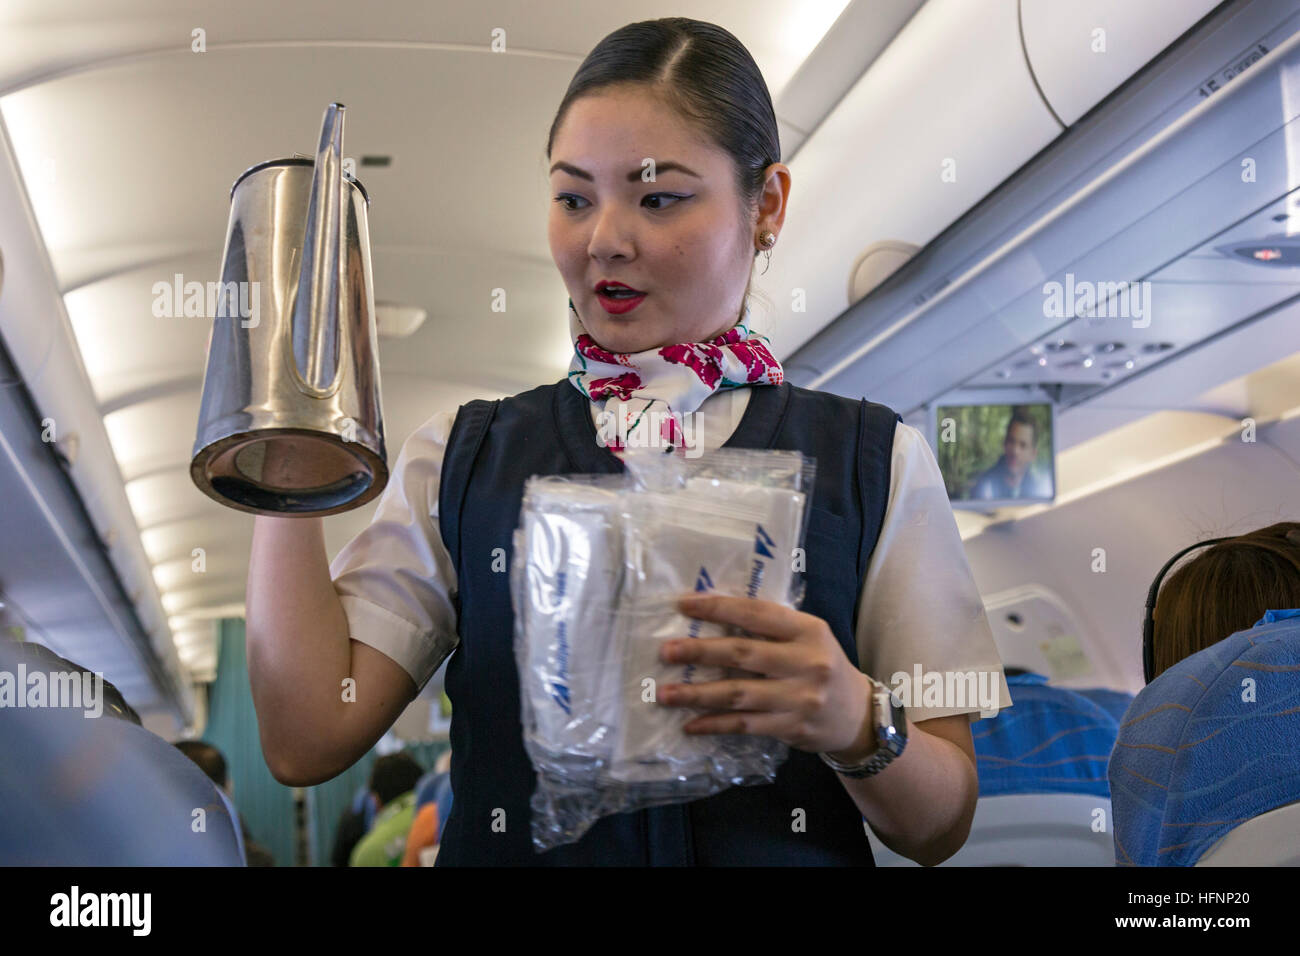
660 385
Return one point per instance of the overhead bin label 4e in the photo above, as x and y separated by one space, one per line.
1240 64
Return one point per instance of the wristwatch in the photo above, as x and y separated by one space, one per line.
890 721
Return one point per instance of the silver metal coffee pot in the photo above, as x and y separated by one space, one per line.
290 421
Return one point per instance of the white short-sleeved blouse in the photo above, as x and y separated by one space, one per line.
920 606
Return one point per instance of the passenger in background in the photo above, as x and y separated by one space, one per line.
426 830
1213 740
354 823
442 796
213 763
1224 589
392 781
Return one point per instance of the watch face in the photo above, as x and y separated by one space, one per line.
884 715
891 723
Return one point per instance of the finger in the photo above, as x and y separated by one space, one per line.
742 695
766 618
746 653
758 723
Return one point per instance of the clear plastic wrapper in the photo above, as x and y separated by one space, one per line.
564 582
599 564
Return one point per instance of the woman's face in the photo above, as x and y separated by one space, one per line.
680 239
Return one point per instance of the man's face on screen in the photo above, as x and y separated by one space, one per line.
1020 447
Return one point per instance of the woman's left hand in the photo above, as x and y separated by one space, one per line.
811 696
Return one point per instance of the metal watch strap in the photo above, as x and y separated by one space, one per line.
883 754
876 763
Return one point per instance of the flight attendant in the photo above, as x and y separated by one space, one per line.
887 587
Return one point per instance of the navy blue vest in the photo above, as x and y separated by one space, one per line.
493 448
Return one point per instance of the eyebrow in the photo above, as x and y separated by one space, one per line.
632 177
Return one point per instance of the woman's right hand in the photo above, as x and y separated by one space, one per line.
322 699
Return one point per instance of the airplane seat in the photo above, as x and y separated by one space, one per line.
1207 765
1114 702
1044 798
1051 740
1269 839
1028 829
103 791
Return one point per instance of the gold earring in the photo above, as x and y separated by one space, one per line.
767 239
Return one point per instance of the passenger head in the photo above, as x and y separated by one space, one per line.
1225 589
678 91
209 759
393 776
1021 443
